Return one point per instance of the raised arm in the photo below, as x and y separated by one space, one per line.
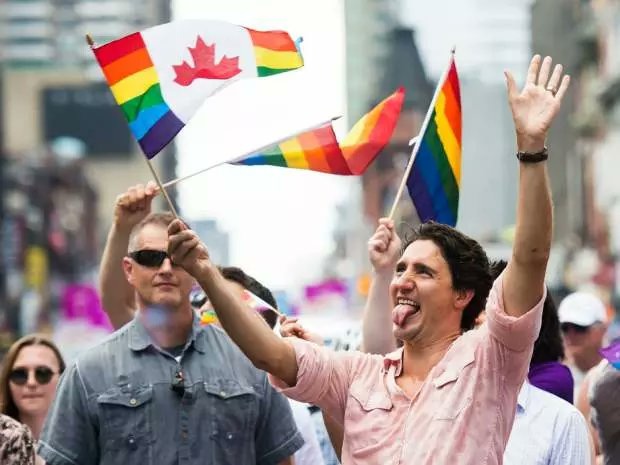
245 327
383 251
533 111
117 296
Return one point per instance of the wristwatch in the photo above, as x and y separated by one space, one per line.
526 157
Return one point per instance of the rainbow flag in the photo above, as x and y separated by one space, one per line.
208 315
435 177
319 150
275 52
162 75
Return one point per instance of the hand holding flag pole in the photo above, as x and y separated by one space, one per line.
259 150
417 141
91 44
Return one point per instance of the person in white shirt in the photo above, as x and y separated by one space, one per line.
310 453
547 431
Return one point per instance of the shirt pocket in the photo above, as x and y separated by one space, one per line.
233 411
452 389
368 420
126 419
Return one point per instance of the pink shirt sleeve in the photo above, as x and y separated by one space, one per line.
323 376
516 333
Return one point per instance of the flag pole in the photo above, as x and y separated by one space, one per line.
259 150
162 188
91 44
417 140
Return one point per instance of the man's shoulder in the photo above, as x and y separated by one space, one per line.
111 346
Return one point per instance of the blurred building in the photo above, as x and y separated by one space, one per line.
489 36
217 240
595 124
554 23
50 33
367 27
65 150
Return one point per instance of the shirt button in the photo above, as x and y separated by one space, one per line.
131 441
184 434
133 402
229 436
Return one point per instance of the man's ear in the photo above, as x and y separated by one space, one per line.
128 269
462 298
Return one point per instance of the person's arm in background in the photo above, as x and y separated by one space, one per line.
117 296
383 250
533 111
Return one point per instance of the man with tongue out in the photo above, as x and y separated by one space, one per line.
449 395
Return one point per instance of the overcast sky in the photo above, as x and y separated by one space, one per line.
279 220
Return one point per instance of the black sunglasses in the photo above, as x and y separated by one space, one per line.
566 327
42 374
149 258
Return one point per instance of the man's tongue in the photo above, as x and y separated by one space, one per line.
401 312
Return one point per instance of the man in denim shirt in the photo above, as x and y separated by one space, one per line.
162 389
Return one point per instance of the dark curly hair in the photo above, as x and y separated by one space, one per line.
548 346
232 273
467 261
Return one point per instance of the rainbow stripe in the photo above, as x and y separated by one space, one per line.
372 132
134 82
208 317
319 150
435 177
315 150
275 52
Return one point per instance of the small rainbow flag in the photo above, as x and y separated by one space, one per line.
319 150
435 177
162 75
208 315
275 52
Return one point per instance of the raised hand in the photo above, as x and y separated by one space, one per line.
290 327
186 249
535 107
134 205
384 247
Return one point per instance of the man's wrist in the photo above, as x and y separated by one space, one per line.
383 274
530 144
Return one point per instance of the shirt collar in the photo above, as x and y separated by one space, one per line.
394 359
139 338
524 396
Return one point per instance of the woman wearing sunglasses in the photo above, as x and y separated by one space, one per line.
28 380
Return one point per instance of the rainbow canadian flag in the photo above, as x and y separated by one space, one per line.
162 75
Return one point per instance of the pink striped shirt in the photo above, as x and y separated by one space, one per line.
463 413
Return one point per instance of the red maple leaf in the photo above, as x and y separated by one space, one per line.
204 65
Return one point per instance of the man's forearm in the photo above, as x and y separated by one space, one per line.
377 322
117 296
248 330
524 281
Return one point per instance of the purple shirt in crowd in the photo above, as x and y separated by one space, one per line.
553 377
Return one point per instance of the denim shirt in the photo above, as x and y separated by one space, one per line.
116 405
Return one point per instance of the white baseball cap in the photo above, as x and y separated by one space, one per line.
583 309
